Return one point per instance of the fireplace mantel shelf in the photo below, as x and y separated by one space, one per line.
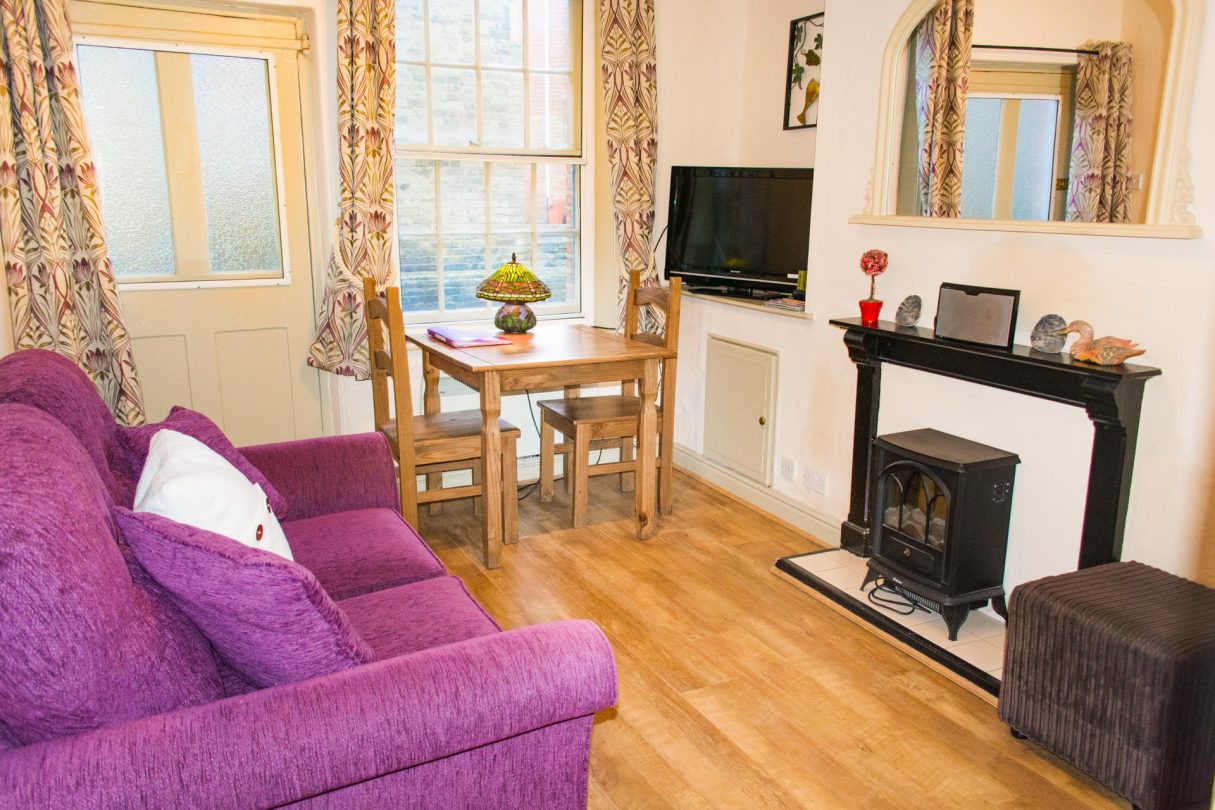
1111 395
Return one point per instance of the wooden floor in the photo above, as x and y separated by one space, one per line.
736 688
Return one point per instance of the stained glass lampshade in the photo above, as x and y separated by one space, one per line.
516 286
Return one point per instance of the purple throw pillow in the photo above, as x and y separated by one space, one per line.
266 616
198 426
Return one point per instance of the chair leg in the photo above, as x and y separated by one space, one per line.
510 491
435 481
628 481
666 463
580 475
567 465
546 461
478 501
408 482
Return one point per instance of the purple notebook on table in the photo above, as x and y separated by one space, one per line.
466 337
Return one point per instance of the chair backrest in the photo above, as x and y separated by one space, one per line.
667 301
664 299
388 360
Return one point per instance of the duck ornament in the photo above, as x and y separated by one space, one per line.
1103 351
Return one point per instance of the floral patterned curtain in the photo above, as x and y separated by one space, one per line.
60 283
630 80
362 247
942 80
1100 187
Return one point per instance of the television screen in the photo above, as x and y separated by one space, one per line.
739 225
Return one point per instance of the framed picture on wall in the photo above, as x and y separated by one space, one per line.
805 66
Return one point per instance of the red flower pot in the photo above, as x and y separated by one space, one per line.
870 309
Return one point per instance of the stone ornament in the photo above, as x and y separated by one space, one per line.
909 311
1047 336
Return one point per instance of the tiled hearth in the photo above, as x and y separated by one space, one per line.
980 641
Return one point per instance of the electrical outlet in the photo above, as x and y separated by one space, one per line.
788 468
814 480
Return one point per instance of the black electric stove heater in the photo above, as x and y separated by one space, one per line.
940 515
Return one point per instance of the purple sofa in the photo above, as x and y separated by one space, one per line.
453 711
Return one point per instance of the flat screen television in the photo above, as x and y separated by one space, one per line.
739 231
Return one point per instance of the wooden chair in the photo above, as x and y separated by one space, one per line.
433 444
598 423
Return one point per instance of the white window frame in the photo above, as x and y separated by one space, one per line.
214 280
581 156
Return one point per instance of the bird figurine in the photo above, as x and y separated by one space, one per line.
1104 351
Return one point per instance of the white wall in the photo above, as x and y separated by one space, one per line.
721 106
1159 292
1043 23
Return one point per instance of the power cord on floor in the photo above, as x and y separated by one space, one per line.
886 595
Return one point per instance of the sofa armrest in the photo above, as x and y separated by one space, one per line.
330 474
295 741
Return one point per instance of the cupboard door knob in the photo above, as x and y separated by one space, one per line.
763 420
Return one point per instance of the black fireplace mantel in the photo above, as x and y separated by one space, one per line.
1111 395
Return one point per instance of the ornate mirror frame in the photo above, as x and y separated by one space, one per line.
1168 215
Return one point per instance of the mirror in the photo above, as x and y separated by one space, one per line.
1037 115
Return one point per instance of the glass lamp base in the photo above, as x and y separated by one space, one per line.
515 318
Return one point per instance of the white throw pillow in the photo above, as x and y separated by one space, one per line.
186 481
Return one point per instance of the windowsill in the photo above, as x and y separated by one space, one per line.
1011 226
738 302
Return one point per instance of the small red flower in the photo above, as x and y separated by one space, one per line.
873 262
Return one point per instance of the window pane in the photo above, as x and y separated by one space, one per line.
1033 179
502 99
451 32
462 196
548 29
464 267
556 266
122 111
552 112
419 274
416 223
416 196
519 245
502 33
454 106
411 31
554 196
411 105
982 141
510 190
240 198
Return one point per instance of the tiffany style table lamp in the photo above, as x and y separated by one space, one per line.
516 287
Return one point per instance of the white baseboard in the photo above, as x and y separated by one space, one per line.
818 524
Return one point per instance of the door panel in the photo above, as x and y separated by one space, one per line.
255 385
164 368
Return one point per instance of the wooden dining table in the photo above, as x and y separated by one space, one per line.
553 355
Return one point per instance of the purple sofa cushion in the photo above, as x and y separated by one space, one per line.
267 616
198 426
426 614
55 385
82 644
360 551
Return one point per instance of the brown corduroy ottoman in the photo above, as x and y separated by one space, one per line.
1113 669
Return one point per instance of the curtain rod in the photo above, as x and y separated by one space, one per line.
1036 48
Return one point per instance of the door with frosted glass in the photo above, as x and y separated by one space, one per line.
200 163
